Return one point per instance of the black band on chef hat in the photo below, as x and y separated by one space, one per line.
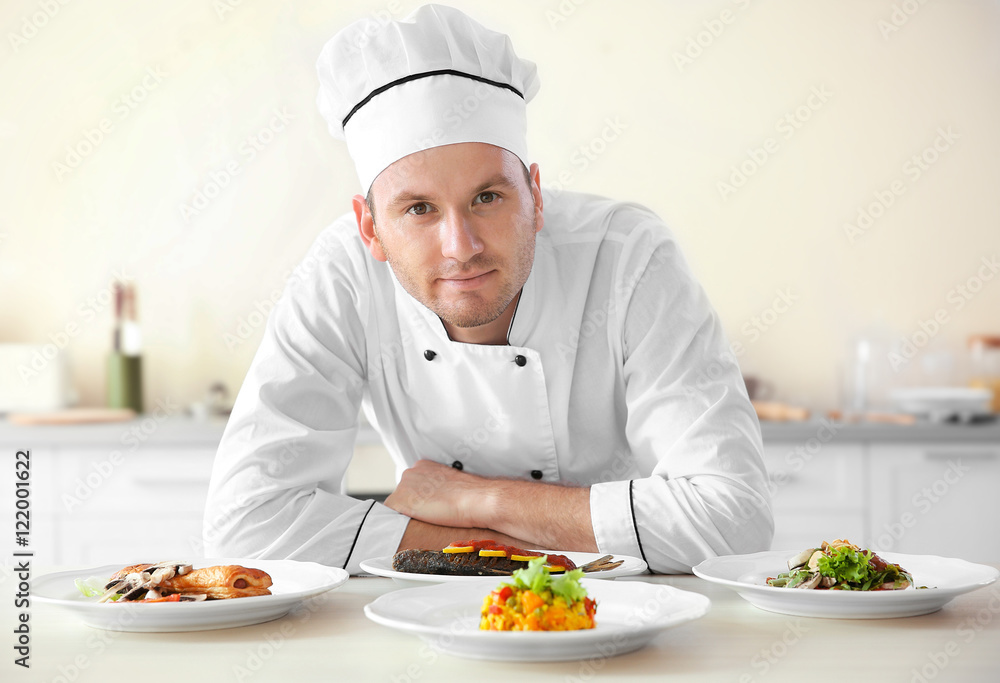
425 74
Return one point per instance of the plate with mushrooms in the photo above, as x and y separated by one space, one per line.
185 596
936 581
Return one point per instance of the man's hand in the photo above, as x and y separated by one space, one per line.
439 494
544 515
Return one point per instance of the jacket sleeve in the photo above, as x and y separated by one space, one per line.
688 415
276 484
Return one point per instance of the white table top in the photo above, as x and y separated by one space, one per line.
336 642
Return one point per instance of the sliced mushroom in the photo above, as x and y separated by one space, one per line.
813 563
138 584
161 574
136 593
800 559
828 581
173 568
811 582
192 597
123 586
113 590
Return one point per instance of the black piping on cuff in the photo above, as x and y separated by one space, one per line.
361 526
631 504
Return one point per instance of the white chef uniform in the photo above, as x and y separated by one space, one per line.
617 375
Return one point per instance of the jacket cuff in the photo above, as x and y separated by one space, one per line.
379 535
612 515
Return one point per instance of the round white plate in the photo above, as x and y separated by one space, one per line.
944 577
629 615
293 582
382 566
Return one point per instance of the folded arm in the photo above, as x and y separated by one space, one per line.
510 511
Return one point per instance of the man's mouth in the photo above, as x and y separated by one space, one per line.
467 281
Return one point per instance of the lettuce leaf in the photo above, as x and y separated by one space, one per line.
847 565
568 586
536 578
92 587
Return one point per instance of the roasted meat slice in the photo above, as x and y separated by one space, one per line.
453 564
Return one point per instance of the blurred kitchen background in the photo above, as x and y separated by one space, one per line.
830 169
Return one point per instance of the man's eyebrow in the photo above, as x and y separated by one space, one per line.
407 196
499 180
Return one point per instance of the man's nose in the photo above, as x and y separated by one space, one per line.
459 239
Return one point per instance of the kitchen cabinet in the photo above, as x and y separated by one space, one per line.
922 489
144 504
816 493
124 492
41 505
936 499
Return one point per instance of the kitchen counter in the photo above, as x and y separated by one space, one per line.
171 431
187 431
330 639
922 432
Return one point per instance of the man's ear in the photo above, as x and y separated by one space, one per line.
366 227
536 195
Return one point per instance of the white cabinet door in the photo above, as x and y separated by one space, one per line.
818 492
83 545
936 499
25 480
142 506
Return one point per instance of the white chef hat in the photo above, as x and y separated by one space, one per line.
435 78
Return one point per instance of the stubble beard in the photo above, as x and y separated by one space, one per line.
471 309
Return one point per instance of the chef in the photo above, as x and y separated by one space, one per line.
542 367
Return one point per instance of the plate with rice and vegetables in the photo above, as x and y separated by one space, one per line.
536 615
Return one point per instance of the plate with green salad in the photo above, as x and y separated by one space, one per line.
840 580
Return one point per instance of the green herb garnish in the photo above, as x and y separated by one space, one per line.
536 578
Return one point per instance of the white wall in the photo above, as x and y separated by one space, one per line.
211 77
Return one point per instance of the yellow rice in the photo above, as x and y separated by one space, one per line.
553 615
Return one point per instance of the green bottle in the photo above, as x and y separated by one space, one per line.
125 360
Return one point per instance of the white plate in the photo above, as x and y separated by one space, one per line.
629 615
382 566
293 582
944 577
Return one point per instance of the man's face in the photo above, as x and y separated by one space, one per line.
457 225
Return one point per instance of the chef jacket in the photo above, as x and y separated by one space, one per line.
616 376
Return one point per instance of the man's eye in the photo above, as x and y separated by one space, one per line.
485 197
418 209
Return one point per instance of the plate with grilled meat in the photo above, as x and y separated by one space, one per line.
179 596
463 561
